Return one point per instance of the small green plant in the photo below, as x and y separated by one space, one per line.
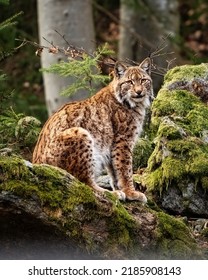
84 68
17 130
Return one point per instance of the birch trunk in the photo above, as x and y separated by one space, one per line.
73 19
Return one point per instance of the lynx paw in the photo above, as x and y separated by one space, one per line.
135 195
121 195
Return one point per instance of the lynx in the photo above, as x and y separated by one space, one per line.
100 132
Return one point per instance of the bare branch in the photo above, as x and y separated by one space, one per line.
62 36
70 51
74 52
169 62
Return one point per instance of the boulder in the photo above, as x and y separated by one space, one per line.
45 213
177 171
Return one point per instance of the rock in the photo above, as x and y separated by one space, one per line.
141 153
177 171
45 213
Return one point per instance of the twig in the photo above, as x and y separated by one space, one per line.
160 47
169 62
62 36
75 52
25 42
70 51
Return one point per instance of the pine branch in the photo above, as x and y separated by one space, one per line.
83 66
10 21
6 24
102 56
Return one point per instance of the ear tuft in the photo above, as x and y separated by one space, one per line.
146 65
119 69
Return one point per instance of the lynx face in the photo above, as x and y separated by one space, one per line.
134 84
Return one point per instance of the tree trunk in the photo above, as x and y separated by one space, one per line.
73 19
142 30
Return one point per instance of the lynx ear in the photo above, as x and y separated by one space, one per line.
119 69
146 65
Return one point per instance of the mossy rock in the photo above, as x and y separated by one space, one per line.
178 167
141 153
47 213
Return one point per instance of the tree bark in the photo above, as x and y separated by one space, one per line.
73 19
143 27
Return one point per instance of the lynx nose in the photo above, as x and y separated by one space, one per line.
139 92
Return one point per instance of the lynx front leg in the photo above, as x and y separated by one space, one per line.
122 165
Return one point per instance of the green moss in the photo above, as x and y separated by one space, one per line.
141 153
171 171
121 225
58 192
20 188
196 119
174 239
80 212
180 120
172 103
77 197
184 107
183 148
154 180
186 72
198 166
46 171
175 160
169 129
14 168
204 182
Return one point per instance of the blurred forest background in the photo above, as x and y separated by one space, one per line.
133 29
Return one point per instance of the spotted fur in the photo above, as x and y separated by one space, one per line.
100 132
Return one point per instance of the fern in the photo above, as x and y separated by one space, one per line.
8 123
18 130
85 73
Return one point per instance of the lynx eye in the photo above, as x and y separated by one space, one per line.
144 81
129 82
